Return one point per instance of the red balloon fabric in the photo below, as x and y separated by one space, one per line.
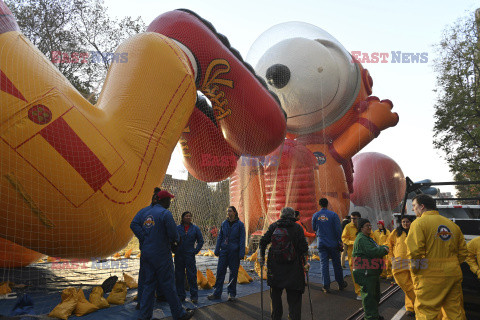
378 181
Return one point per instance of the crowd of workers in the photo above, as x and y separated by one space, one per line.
422 256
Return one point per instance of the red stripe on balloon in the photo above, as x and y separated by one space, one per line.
66 142
7 86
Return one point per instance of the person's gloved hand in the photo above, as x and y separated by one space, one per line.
261 261
306 267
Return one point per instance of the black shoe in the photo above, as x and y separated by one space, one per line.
343 285
326 290
188 314
213 297
194 300
410 314
137 307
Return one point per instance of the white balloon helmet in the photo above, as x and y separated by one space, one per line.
315 78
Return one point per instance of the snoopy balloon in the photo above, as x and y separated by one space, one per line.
330 117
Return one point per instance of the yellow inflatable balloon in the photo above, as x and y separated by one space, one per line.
72 174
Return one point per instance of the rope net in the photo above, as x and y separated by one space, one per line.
74 174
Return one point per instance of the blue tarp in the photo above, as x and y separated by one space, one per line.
44 302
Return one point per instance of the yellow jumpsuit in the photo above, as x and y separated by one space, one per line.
381 239
349 235
473 258
437 247
401 267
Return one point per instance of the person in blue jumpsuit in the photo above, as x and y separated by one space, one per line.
141 276
230 249
185 257
326 225
156 231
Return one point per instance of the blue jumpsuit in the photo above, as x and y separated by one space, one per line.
185 260
230 249
326 225
155 229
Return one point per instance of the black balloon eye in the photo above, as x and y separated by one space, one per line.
278 75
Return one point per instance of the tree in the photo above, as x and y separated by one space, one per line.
77 35
457 109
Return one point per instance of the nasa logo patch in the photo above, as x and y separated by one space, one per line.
443 232
321 158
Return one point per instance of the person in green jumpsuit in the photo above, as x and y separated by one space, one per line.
367 267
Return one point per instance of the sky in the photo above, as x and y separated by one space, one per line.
366 26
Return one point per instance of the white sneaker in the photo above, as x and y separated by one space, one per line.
231 298
359 298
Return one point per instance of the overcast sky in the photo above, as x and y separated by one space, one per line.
366 26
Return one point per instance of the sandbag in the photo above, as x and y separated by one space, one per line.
96 298
131 283
209 253
253 257
5 288
83 305
65 308
241 269
118 294
315 257
128 253
210 278
257 270
202 281
243 277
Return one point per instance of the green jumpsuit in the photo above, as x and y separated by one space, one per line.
367 267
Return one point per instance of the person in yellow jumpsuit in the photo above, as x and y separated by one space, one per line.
380 236
349 235
436 247
401 264
473 258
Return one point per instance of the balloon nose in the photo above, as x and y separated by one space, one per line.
278 75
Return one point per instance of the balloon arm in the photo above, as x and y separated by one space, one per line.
376 117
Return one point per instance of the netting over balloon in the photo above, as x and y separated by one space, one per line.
282 131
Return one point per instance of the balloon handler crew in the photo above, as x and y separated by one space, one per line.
184 259
437 246
230 249
367 258
349 235
156 231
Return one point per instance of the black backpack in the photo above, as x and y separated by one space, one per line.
282 248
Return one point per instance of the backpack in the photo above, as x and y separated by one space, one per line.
282 248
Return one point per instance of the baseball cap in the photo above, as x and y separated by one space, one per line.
164 194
